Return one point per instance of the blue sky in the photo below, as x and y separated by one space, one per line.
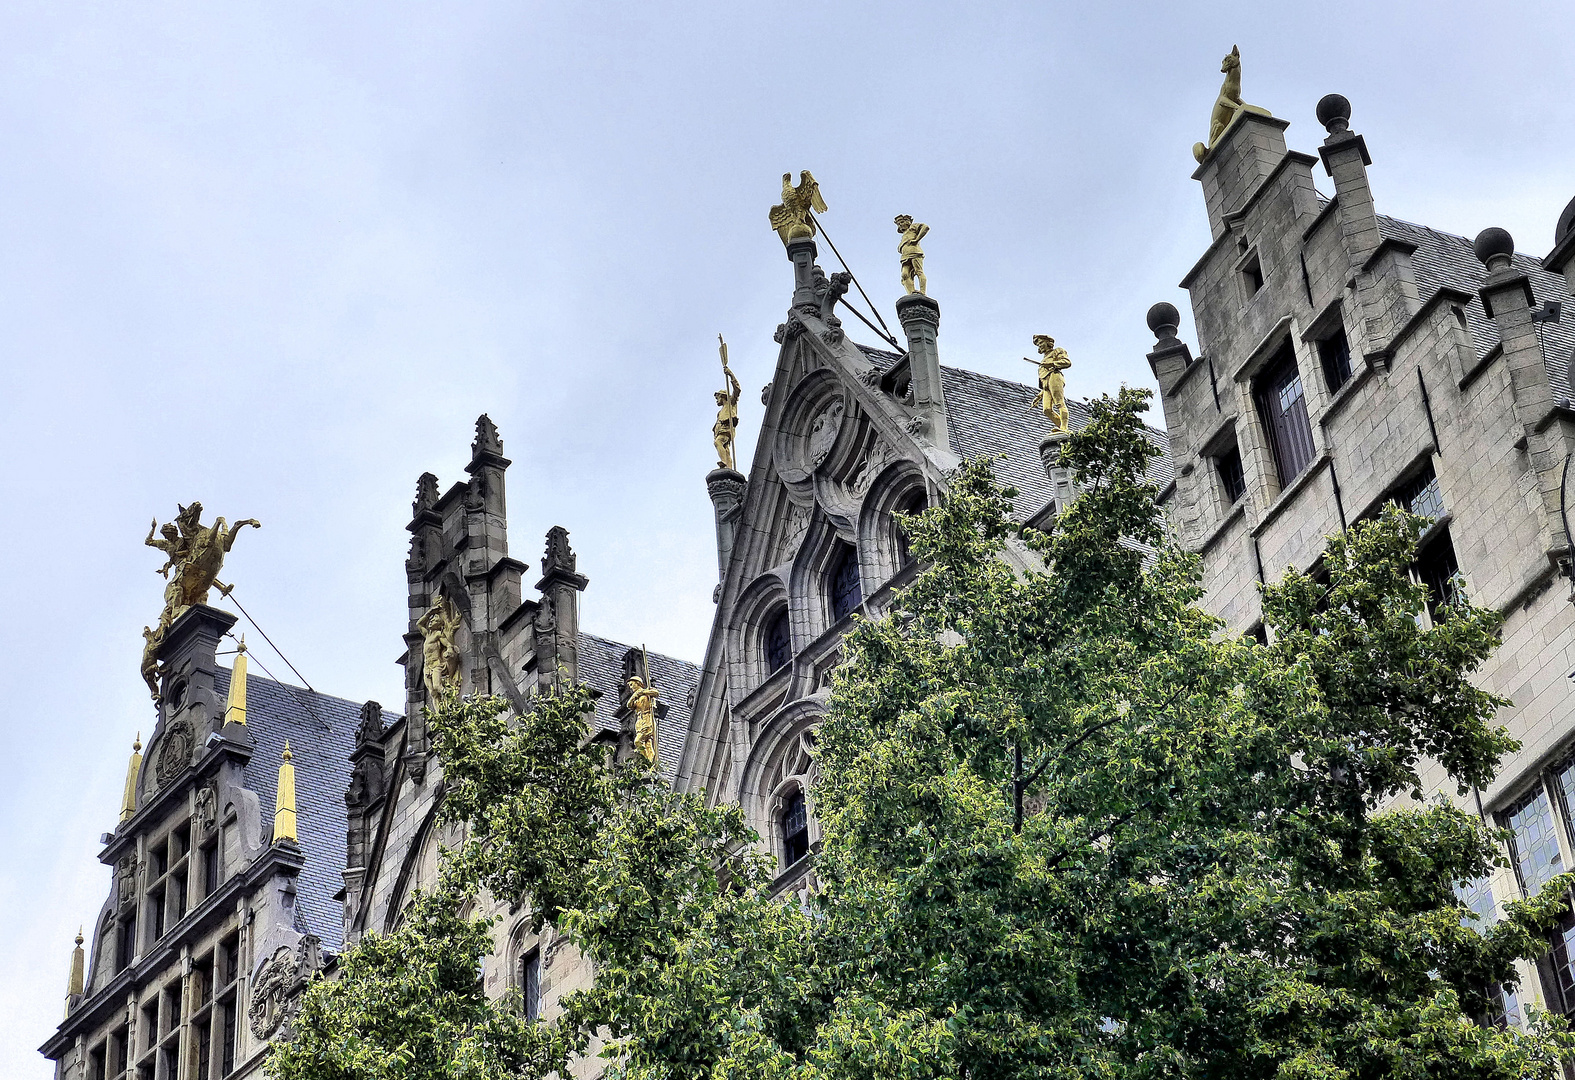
278 257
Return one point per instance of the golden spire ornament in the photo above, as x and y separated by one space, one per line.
235 705
724 433
78 960
128 804
284 801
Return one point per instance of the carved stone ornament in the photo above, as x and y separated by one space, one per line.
789 330
794 527
765 393
823 431
174 752
277 987
126 881
206 808
880 456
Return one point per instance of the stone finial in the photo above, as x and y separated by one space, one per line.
1334 113
1566 223
371 728
560 556
1494 247
487 442
426 494
1164 320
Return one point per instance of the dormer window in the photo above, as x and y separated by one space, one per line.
1282 403
779 641
846 591
1233 479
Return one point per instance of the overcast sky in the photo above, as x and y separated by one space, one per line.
278 256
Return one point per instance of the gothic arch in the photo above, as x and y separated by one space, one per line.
757 606
880 543
807 584
410 866
779 763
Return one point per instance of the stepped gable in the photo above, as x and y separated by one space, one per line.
601 668
321 730
1444 260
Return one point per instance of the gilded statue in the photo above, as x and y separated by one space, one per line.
1228 105
642 703
724 432
439 653
193 556
1052 363
911 254
794 217
152 639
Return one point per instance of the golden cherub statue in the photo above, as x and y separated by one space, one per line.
194 552
1228 105
1052 383
439 653
724 432
909 251
642 703
794 217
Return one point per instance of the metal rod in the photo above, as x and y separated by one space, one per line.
888 340
852 275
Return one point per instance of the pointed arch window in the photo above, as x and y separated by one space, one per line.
914 504
795 828
779 641
846 592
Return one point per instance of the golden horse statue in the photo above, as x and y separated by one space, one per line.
195 555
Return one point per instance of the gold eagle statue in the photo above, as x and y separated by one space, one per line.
794 217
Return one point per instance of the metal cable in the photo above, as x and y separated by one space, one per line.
855 277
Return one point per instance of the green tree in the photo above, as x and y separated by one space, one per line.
1071 829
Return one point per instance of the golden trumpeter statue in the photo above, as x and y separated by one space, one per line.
794 217
909 251
439 653
194 554
642 703
1052 363
1228 105
724 432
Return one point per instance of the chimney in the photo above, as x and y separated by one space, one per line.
920 316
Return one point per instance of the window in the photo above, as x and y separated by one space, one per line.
1534 849
846 593
95 1065
914 504
227 1039
119 1053
210 870
1561 994
530 984
779 641
126 946
1334 353
178 894
204 1051
1232 478
1252 274
1437 568
1421 495
1283 407
156 906
795 829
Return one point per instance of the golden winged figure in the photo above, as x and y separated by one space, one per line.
794 217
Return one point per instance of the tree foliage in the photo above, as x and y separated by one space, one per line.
1224 864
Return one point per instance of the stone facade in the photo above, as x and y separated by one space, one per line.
1346 359
1349 359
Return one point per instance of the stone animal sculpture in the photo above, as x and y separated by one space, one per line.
1228 105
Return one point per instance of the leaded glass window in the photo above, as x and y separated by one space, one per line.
1282 403
779 641
846 593
1533 844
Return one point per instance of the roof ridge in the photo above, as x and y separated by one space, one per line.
627 645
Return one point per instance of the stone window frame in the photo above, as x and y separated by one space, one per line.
1258 463
524 945
879 545
779 760
763 600
809 585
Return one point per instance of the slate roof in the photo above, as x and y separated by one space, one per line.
321 730
1002 419
601 668
1444 259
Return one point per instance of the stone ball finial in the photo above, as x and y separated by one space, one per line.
1493 247
1334 113
1566 223
1164 319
